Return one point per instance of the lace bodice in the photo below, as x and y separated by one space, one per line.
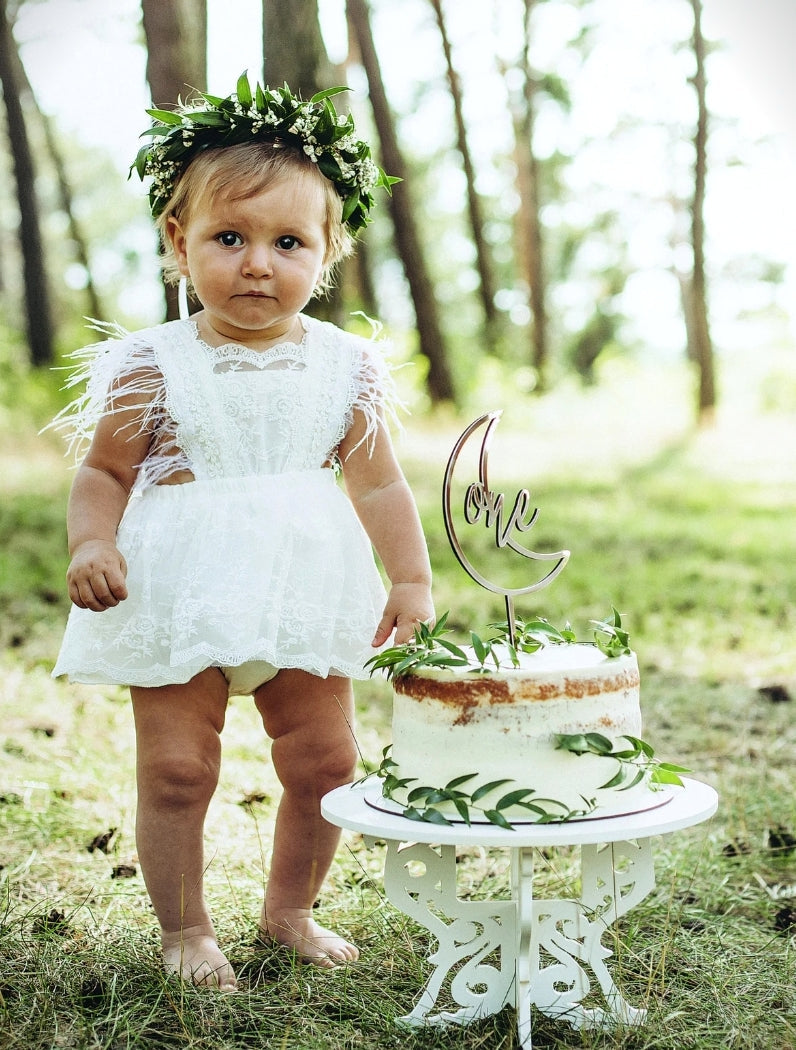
230 411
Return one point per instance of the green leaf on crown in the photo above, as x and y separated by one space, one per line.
244 91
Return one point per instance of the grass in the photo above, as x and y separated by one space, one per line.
690 534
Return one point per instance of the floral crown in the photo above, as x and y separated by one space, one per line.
268 114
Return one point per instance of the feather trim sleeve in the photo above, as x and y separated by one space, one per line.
118 374
374 392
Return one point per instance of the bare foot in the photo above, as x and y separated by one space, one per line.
194 955
295 928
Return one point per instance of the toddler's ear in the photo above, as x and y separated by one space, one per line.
176 235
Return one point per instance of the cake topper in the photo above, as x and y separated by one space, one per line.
483 506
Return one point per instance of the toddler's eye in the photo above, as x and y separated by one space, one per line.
287 243
229 239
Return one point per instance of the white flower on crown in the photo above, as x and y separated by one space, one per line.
302 126
368 174
347 144
346 170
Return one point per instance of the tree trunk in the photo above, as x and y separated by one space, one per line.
702 344
431 342
483 255
294 54
293 47
176 40
530 242
36 289
95 309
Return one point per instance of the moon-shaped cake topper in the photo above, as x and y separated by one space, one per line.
481 505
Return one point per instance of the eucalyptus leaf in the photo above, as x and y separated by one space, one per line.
494 817
662 775
458 781
600 744
575 742
443 660
617 779
641 745
463 810
639 776
433 816
413 814
513 798
452 648
480 649
669 767
485 789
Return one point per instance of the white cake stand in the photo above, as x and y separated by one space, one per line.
518 950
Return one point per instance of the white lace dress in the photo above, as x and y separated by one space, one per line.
262 556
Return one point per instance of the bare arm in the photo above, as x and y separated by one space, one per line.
385 506
97 572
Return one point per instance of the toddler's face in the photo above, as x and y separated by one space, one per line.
254 263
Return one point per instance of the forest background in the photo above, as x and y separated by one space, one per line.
580 186
631 169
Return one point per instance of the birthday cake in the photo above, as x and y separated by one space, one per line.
548 735
503 726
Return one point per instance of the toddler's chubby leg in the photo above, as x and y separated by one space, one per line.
310 721
178 757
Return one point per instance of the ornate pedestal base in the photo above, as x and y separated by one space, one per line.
519 950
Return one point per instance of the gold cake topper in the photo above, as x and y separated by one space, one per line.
483 506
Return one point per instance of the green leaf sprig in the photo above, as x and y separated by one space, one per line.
635 762
428 647
423 802
531 635
610 636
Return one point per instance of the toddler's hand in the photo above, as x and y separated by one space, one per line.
96 576
407 605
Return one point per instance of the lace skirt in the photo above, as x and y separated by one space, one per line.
223 571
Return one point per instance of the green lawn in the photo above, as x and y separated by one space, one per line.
690 534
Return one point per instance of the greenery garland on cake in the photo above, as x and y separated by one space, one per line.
430 649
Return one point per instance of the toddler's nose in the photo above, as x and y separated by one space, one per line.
258 262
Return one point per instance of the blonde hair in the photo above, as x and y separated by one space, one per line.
241 172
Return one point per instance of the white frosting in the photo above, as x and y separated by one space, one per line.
503 724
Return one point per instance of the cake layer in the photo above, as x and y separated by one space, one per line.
502 724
